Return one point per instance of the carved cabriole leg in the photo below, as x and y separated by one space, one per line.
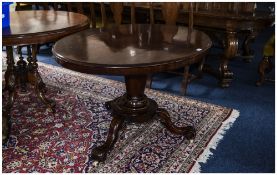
231 48
184 84
10 66
35 79
22 70
134 106
10 80
164 117
6 126
248 53
265 64
32 66
100 153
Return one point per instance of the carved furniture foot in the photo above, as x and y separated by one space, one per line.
6 126
265 65
10 80
6 114
226 76
35 79
32 65
108 105
135 106
100 153
231 48
164 117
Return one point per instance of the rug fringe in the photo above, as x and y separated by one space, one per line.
214 141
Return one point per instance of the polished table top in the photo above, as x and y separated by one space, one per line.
120 49
40 26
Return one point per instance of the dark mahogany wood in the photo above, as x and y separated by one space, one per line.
265 66
41 26
229 18
223 21
100 153
149 49
10 83
32 28
133 51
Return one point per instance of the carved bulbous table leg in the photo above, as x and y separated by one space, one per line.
22 70
135 106
231 48
22 74
35 79
10 82
11 70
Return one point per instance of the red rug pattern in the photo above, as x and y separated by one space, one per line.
41 141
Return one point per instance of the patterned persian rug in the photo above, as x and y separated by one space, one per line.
41 141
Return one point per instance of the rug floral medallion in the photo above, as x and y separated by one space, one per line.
42 141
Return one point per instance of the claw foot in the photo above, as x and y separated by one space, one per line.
99 154
108 105
189 133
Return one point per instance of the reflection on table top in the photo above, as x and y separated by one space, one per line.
40 21
131 46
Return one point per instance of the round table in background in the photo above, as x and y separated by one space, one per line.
133 51
32 28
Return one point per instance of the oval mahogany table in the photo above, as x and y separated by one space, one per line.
33 28
133 51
